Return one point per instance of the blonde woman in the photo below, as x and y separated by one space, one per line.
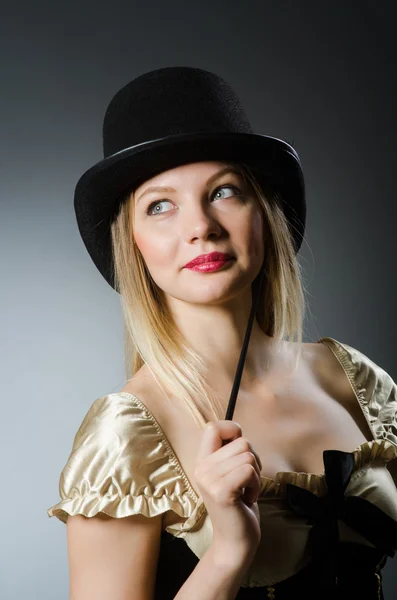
237 461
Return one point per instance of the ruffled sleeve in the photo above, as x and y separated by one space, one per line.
121 465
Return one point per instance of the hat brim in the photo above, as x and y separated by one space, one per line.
101 189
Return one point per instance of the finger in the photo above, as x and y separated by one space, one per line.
214 433
243 478
223 467
258 460
232 448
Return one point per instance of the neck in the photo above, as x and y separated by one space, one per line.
217 334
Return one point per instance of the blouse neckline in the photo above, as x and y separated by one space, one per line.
371 449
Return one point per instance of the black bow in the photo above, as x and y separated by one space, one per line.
323 513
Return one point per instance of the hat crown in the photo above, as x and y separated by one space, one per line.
169 101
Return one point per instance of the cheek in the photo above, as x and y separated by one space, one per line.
157 251
258 230
253 233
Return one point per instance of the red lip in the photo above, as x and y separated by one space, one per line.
211 257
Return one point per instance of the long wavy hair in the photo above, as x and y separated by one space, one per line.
150 334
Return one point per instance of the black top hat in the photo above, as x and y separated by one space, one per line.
169 117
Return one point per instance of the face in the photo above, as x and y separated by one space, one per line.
196 209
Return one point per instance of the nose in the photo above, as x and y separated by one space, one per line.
199 222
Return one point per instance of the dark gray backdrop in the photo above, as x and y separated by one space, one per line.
320 74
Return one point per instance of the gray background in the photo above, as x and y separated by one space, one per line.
320 74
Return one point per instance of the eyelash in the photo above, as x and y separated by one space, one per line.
228 185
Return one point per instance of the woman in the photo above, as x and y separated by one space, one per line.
172 489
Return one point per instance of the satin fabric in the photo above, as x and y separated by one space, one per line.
121 464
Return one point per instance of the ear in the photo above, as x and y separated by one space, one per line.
392 467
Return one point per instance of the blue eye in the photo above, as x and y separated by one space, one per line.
158 202
231 187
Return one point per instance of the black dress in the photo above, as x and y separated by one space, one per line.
359 576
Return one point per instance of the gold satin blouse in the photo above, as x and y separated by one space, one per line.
122 464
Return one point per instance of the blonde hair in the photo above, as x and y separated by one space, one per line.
150 334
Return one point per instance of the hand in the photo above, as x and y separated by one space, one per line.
228 477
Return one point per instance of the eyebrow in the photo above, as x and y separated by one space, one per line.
159 188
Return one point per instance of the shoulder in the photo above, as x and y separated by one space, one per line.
112 447
122 410
143 388
110 417
328 364
361 370
348 370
